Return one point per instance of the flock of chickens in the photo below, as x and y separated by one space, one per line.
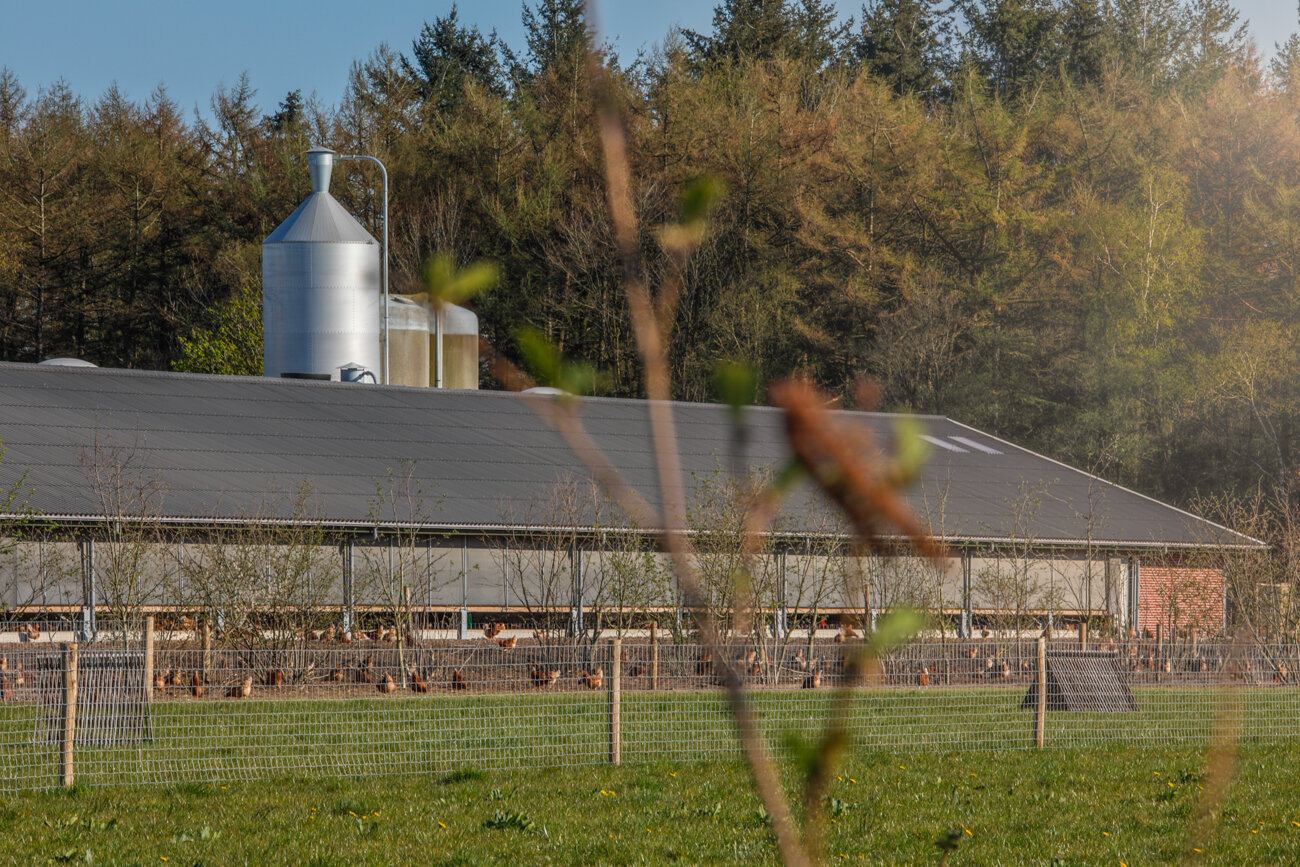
982 661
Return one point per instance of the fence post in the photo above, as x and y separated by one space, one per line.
148 658
1157 661
69 734
654 655
615 723
206 634
1083 635
1040 706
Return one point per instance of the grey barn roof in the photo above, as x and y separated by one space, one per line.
220 445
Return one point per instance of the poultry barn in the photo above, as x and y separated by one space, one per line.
258 502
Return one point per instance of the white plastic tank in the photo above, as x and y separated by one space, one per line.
459 329
320 287
408 342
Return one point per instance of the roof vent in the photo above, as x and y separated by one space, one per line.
66 362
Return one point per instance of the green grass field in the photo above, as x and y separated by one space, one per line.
378 781
1095 806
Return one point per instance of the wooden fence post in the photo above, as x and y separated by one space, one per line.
654 655
69 733
1083 635
206 634
1157 659
148 658
1040 706
615 697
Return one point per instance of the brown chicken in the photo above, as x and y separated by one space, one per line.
418 683
814 679
6 689
4 663
492 629
971 652
329 633
366 671
1282 672
196 686
33 631
508 643
458 680
923 676
1004 670
189 624
274 678
388 684
336 676
173 678
160 683
19 678
241 690
593 679
705 665
544 678
636 671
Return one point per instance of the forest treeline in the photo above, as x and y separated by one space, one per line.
1073 223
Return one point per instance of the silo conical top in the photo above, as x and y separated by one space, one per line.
320 163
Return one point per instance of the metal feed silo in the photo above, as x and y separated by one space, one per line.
320 286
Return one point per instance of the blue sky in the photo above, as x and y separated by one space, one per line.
285 45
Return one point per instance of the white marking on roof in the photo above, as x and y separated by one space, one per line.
979 447
943 444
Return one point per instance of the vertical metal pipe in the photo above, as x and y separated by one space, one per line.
437 350
348 600
1040 707
383 279
966 625
148 658
464 589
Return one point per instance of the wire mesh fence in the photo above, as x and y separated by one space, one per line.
181 711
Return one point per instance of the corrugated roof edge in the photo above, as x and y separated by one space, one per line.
488 529
1250 542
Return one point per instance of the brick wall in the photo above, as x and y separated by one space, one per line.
1180 595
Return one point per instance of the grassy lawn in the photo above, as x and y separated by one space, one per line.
381 781
1096 806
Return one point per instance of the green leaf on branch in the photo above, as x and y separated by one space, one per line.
447 284
698 199
736 385
897 627
910 451
550 368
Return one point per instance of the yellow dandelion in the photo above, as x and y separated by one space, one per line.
1254 830
967 830
1105 833
350 813
1297 824
672 773
442 824
1171 785
1157 773
851 780
1194 849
